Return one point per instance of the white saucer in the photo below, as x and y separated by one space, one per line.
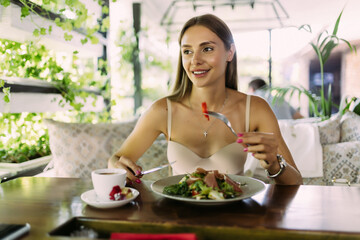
90 198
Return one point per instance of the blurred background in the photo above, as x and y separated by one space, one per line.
268 40
102 61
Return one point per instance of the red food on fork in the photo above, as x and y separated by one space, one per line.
204 110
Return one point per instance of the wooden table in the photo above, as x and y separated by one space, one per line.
279 212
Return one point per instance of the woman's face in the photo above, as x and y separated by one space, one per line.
204 56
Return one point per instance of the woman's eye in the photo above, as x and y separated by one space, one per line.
208 49
186 52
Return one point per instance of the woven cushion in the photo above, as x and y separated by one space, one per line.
350 127
79 148
341 160
314 181
329 130
155 156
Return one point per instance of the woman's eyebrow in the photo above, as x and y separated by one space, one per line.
201 44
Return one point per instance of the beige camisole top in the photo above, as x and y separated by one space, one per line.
229 159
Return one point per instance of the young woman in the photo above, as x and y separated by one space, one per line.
207 72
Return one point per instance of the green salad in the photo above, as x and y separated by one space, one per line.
203 184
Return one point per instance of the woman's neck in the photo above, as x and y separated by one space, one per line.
215 99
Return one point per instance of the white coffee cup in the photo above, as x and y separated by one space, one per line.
104 180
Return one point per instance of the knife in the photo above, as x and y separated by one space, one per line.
157 168
153 169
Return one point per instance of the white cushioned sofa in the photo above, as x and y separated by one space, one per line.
339 140
78 148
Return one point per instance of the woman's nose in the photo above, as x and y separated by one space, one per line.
197 59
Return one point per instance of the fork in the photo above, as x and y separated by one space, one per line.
223 118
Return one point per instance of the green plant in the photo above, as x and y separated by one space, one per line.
28 60
69 16
5 90
23 135
352 104
325 43
79 17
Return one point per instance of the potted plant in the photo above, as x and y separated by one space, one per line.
320 106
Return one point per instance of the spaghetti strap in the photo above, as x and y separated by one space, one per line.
169 118
247 114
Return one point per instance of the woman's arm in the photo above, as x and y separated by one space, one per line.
147 129
266 142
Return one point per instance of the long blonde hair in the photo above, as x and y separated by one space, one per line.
182 86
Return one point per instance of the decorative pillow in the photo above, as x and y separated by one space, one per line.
350 127
314 181
155 156
342 160
79 148
303 141
329 130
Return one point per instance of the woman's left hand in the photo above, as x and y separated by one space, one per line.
263 146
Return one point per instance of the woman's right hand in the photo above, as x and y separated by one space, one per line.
133 170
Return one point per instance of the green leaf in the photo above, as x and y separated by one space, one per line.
67 26
24 12
5 3
43 31
105 10
94 40
6 92
83 41
306 27
58 22
337 24
327 50
105 24
318 53
36 32
357 108
352 47
323 41
6 99
68 37
328 102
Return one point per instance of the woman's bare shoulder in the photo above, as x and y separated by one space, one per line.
261 114
155 116
159 105
240 99
258 102
236 96
155 111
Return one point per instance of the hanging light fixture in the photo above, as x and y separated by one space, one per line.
241 15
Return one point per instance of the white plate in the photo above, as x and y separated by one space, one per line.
90 198
252 187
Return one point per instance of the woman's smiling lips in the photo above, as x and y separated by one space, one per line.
200 73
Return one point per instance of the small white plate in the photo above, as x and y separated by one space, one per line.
90 198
